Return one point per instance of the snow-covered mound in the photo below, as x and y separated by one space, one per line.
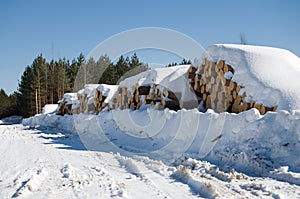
15 119
248 141
270 75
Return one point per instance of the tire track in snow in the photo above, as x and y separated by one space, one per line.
29 181
164 186
80 178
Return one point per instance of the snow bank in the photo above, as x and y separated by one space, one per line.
270 75
248 141
15 119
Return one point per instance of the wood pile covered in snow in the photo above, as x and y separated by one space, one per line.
213 84
231 78
65 105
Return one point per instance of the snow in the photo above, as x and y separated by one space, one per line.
49 108
88 90
71 98
249 142
270 75
49 158
15 119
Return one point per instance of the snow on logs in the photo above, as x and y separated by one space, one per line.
212 83
67 104
208 86
115 97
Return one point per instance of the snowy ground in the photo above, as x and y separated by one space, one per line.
47 162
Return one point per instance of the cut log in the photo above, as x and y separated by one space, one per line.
234 94
244 95
212 80
220 64
197 87
213 96
227 82
262 110
197 77
221 107
208 102
171 104
172 95
230 68
221 97
144 90
204 96
225 68
192 69
229 98
257 106
238 99
235 108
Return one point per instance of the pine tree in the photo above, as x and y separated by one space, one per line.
185 61
40 68
134 67
4 105
106 71
134 62
13 108
51 82
62 80
26 98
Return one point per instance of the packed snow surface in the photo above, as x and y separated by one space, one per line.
186 154
248 141
270 75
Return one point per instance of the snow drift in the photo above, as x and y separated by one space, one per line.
248 141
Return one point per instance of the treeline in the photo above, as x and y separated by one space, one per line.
46 82
8 104
183 62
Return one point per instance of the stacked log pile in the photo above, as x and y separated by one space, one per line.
86 104
145 94
99 101
65 104
212 83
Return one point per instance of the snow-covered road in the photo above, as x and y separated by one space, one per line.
49 163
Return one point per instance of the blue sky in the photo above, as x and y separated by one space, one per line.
28 28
